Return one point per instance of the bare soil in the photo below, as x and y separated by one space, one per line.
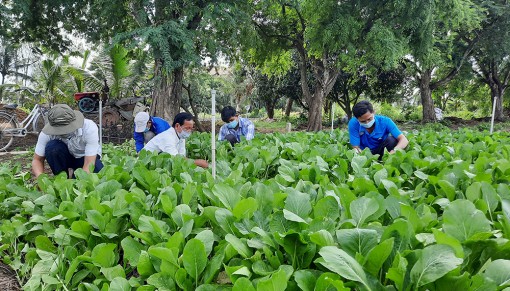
8 281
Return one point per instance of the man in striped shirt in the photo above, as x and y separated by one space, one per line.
235 126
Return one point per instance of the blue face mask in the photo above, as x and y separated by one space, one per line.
184 134
232 124
368 125
146 130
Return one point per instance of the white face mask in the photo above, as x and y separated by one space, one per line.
184 134
369 124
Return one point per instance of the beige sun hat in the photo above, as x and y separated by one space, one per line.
63 120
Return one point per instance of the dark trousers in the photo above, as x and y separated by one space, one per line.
232 139
61 160
389 143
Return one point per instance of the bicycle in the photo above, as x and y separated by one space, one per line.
10 127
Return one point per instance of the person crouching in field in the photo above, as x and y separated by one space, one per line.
68 142
376 132
146 127
235 126
173 140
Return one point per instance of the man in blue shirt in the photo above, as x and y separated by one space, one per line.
235 126
146 127
376 132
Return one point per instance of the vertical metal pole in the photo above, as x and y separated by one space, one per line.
332 115
213 132
493 113
100 123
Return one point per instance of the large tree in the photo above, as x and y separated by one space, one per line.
326 34
177 33
491 58
438 44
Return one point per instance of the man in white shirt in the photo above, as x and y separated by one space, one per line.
68 142
173 140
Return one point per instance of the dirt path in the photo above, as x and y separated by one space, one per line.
8 281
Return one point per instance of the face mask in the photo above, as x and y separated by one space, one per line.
184 134
232 124
368 125
146 130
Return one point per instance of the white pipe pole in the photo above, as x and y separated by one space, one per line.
493 113
213 132
332 115
100 123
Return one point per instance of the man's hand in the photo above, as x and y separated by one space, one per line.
202 163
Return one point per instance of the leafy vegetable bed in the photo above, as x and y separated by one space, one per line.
286 212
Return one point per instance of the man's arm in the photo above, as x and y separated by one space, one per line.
354 138
138 136
89 160
38 165
250 134
402 143
201 163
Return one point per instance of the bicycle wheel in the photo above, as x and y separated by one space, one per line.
6 122
38 123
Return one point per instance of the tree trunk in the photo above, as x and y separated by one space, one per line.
288 107
497 92
315 111
429 114
270 110
193 106
166 101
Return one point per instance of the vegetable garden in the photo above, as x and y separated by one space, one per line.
293 211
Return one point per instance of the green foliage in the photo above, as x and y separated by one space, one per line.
285 211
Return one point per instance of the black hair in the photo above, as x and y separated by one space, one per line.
361 108
227 112
181 118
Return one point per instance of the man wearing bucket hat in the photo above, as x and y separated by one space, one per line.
147 127
67 141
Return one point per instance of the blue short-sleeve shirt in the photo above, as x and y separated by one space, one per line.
359 136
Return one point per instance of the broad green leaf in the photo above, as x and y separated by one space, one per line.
113 272
344 265
357 240
119 284
227 195
462 220
181 214
298 203
226 220
261 268
443 238
287 173
473 191
103 255
448 189
132 250
490 196
292 216
330 281
207 238
378 255
276 281
194 258
322 238
95 218
434 262
327 207
239 245
397 272
362 208
162 282
499 272
306 279
245 208
243 284
43 243
145 267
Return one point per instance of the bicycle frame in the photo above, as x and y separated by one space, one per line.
22 128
